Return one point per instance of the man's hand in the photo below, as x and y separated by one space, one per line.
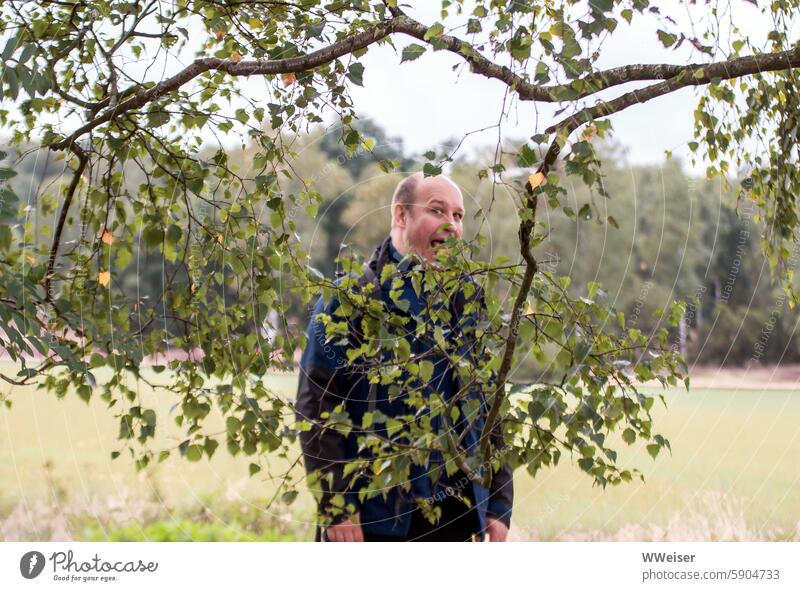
345 531
497 530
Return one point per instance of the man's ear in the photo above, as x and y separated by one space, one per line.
400 215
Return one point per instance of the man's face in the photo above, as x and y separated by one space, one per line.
436 214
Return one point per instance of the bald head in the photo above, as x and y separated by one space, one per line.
425 212
407 190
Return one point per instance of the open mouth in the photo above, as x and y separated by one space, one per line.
436 243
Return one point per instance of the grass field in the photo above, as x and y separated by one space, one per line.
733 474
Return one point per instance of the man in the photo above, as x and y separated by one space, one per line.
425 212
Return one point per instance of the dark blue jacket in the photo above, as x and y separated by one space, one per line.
327 380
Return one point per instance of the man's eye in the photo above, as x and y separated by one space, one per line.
436 210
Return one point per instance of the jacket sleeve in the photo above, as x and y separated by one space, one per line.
324 450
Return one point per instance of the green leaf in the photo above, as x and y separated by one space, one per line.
157 118
125 427
10 48
412 52
85 393
10 77
393 426
425 371
668 39
653 450
434 31
601 6
356 73
210 446
232 425
26 54
582 351
431 170
527 157
474 26
455 413
194 453
153 236
124 256
520 46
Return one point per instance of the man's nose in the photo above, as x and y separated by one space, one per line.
451 226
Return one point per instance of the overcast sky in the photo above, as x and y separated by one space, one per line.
425 102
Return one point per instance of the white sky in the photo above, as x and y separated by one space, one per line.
425 102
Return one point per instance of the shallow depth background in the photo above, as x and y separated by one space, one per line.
732 475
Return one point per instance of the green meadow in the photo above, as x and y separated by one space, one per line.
734 473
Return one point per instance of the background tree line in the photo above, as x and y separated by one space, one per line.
670 236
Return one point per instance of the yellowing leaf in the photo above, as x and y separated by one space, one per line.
589 133
288 79
236 57
536 179
220 35
108 237
103 278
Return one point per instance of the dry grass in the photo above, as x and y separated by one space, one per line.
104 517
58 520
715 517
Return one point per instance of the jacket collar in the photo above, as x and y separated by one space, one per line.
386 253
